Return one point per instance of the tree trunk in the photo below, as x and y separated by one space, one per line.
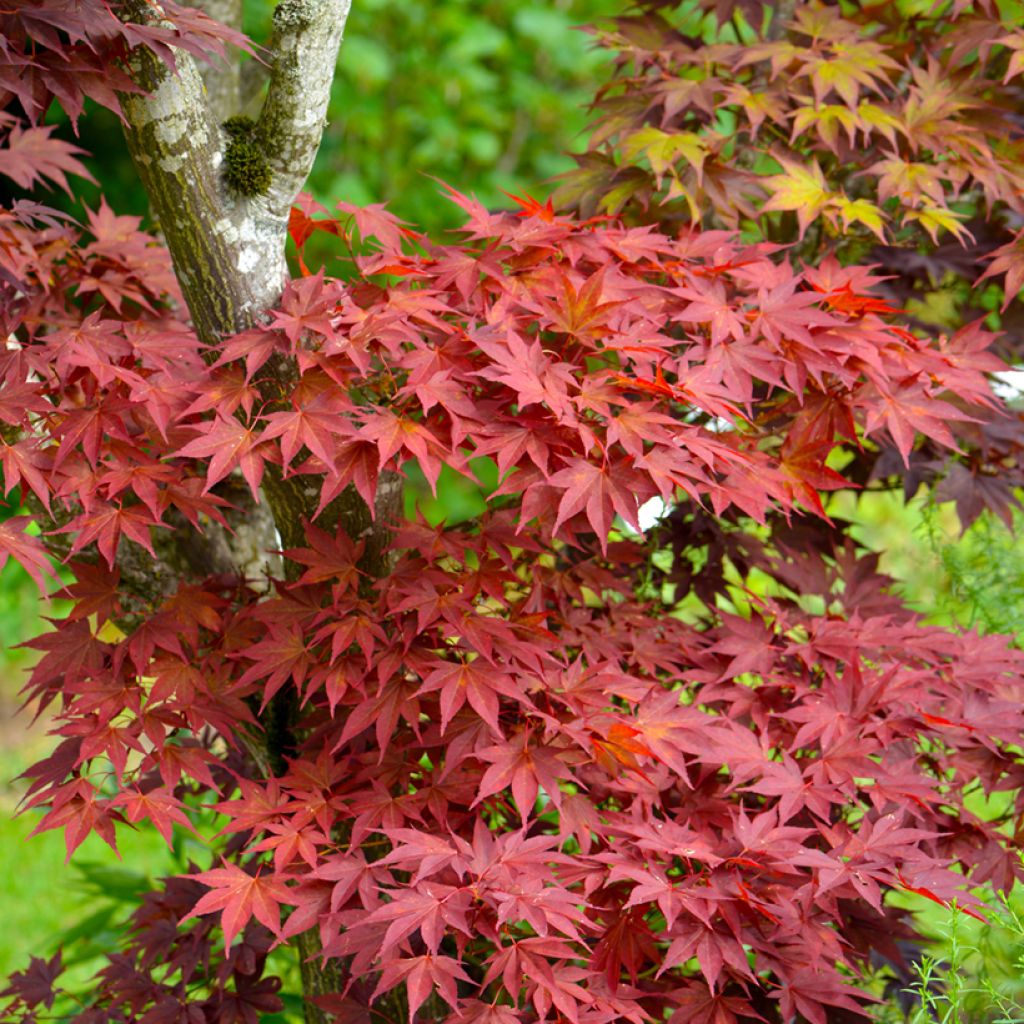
226 234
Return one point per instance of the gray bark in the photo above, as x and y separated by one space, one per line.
222 81
228 247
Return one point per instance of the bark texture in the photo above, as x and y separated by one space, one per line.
222 81
228 246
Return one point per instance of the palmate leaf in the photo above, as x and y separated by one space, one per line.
598 491
228 443
1009 260
240 896
26 550
32 155
801 189
423 975
909 410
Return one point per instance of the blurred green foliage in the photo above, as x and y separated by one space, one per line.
483 94
972 579
81 908
973 972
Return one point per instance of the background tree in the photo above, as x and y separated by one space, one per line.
532 766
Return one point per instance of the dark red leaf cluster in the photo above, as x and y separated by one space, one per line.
525 785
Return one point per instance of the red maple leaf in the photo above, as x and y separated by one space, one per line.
422 975
26 550
228 443
32 155
240 896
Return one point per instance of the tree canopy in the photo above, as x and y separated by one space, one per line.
540 764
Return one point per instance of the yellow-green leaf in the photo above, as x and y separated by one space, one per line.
664 149
937 218
848 69
874 118
827 120
801 188
910 182
1016 66
860 211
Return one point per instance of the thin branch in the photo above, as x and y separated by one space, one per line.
307 35
222 79
782 15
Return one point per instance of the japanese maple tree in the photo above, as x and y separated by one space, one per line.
889 133
538 765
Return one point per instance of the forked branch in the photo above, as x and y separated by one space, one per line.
227 232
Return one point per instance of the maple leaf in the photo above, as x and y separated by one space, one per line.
618 749
35 985
523 767
581 314
422 975
156 806
806 474
428 854
25 462
105 523
240 896
827 120
402 436
94 591
301 226
861 211
256 346
375 221
667 730
313 428
527 370
600 491
699 1005
846 300
228 390
282 656
430 909
849 67
799 188
475 682
329 558
909 409
663 149
1014 42
229 443
1009 260
31 155
308 304
530 207
937 218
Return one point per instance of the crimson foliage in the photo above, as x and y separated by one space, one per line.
525 772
